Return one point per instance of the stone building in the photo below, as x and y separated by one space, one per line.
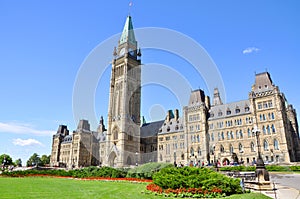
225 132
205 133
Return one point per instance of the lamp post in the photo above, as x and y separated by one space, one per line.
261 172
136 158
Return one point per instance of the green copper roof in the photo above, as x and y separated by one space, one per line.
128 33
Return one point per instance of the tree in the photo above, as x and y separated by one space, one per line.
45 160
5 160
34 160
18 162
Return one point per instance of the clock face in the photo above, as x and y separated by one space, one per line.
122 52
131 51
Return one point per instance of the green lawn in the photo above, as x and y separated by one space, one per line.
39 187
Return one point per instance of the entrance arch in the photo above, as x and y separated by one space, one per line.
111 159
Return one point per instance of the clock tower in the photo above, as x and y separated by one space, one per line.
123 135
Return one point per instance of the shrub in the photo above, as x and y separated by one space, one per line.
146 171
191 177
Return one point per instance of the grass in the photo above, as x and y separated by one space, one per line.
47 187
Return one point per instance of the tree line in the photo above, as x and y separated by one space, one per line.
34 160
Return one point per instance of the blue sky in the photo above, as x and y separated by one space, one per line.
44 43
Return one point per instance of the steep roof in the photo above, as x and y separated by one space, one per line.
128 33
150 129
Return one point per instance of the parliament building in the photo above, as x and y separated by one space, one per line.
206 132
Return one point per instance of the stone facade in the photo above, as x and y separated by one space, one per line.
206 133
224 132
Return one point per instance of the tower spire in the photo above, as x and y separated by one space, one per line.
128 33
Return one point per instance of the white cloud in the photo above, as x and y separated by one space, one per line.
250 50
22 129
28 142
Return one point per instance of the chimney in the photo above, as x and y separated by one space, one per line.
169 115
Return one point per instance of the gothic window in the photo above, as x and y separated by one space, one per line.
264 130
199 152
272 116
266 145
249 132
252 146
276 147
219 136
228 135
231 135
264 117
241 134
241 149
198 138
273 128
237 134
192 151
268 130
222 135
212 137
115 134
260 117
231 149
222 149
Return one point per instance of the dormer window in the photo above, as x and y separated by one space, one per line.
237 110
247 109
259 87
220 113
228 112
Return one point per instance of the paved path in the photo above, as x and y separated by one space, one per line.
288 186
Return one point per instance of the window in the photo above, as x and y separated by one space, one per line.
276 147
231 149
220 113
265 105
273 129
264 130
260 117
168 138
228 112
228 135
247 109
272 116
222 134
266 145
212 137
270 104
222 149
219 136
199 152
241 134
249 133
237 110
192 151
237 134
259 106
268 130
252 146
264 117
241 149
198 138
231 135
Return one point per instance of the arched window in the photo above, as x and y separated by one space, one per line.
264 130
222 149
273 128
241 148
252 146
266 145
276 146
260 117
241 134
212 137
268 130
231 135
219 136
237 134
231 149
222 134
198 138
272 116
115 134
249 132
192 151
228 135
199 152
